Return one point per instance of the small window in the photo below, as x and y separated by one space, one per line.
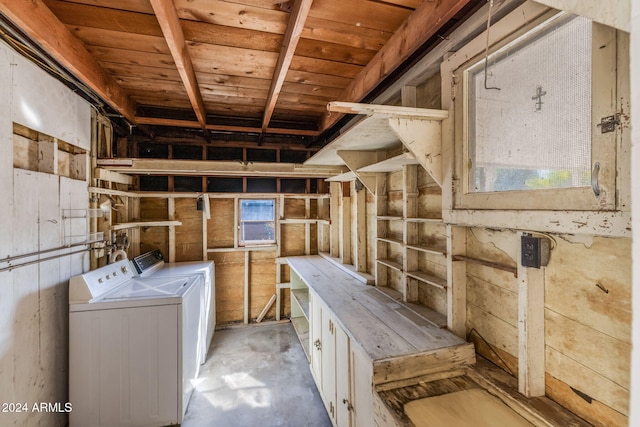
257 222
527 115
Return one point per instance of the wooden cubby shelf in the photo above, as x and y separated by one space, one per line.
436 220
428 279
428 249
302 298
389 218
391 240
390 263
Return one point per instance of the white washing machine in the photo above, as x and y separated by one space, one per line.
133 347
152 264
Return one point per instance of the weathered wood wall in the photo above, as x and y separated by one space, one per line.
587 318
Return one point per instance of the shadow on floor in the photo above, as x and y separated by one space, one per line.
256 376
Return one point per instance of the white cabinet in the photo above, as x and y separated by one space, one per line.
332 365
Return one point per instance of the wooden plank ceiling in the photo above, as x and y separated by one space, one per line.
268 66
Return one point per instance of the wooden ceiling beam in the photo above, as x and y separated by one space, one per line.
39 23
421 25
170 24
297 19
222 128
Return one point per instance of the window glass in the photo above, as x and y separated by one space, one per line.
257 221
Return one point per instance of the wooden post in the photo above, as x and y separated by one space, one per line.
345 223
531 381
456 281
246 287
380 250
360 240
410 230
335 219
171 207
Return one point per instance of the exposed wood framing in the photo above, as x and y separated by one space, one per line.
344 223
297 20
41 24
410 229
216 168
456 281
531 332
170 24
359 218
416 30
335 219
423 138
356 159
171 208
222 128
246 286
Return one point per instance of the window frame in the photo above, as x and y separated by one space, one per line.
604 100
251 243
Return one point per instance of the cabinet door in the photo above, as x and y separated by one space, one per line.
315 329
361 389
344 406
328 352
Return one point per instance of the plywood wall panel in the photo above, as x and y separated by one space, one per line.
294 208
293 236
492 329
229 273
189 234
429 201
154 209
220 226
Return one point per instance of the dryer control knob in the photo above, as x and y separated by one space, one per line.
124 269
108 277
100 280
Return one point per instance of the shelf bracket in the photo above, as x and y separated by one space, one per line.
423 138
355 159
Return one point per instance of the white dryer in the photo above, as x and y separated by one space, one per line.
152 264
133 347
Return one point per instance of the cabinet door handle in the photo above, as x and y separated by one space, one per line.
317 344
349 405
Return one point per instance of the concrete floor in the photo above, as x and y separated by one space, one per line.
256 376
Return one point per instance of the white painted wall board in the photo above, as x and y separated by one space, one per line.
6 154
634 418
42 103
49 218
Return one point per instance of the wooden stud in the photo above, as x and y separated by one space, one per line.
456 281
246 287
266 309
360 230
335 219
410 230
531 333
171 208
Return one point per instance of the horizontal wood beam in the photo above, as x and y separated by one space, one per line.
223 128
421 25
386 110
216 168
39 23
167 17
292 35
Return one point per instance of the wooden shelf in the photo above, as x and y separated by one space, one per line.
391 264
389 218
428 279
301 297
301 325
391 164
428 249
390 240
300 220
126 225
434 220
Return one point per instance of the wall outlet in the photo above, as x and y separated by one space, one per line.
535 251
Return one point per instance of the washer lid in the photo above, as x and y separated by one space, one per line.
150 288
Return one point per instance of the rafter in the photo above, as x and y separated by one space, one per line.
40 24
297 19
170 24
421 25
